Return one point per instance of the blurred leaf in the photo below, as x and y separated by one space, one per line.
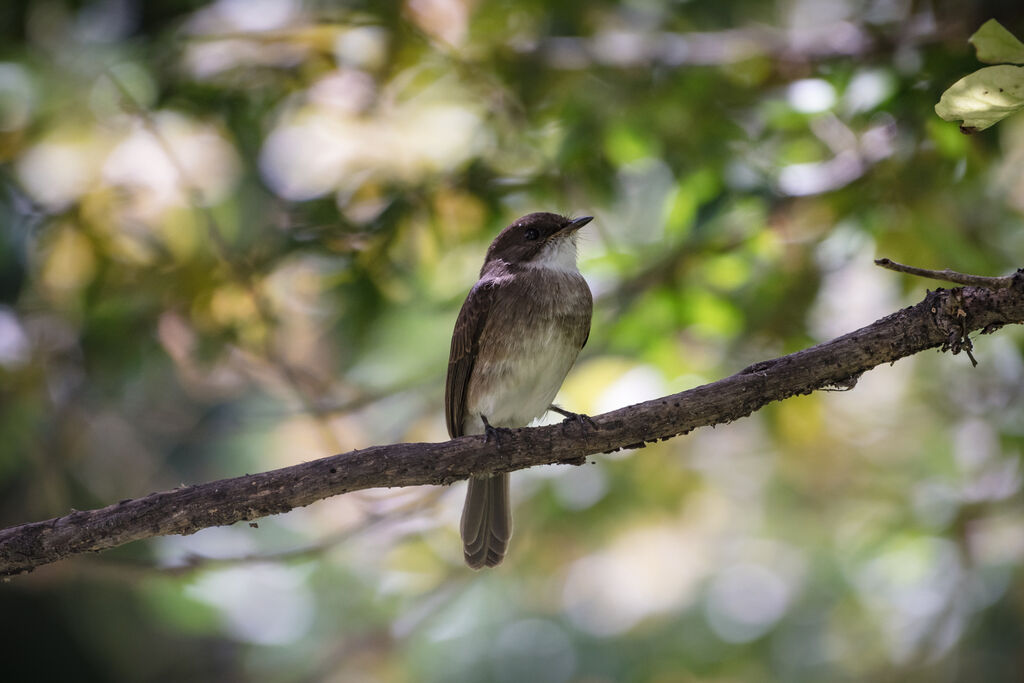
995 45
984 98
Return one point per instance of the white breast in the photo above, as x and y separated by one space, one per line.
525 384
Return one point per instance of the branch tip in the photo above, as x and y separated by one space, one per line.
963 279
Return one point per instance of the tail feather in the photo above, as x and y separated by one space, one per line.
486 521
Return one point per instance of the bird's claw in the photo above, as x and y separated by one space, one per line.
493 433
580 418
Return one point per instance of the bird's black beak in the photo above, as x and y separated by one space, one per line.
577 223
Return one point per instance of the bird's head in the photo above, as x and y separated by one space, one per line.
543 239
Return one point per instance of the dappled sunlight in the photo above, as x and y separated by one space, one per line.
648 571
70 263
746 599
317 148
58 171
18 97
912 585
159 168
854 293
262 604
14 344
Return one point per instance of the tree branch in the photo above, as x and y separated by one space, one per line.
943 319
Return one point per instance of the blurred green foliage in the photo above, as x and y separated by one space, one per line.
235 235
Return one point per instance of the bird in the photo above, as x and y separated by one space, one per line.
517 335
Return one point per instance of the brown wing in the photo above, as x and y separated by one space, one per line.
590 313
465 341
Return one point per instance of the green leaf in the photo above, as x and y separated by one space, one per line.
984 97
996 45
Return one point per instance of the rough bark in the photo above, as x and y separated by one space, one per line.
943 319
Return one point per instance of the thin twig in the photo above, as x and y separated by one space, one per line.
948 275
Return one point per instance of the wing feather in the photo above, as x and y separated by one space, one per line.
589 309
465 343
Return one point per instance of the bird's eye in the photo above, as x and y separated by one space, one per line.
531 234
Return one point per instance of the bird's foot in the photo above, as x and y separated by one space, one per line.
494 433
579 418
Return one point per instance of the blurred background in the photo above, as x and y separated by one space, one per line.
236 234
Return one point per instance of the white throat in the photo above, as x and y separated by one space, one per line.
559 254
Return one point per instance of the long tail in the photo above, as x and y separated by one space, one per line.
486 521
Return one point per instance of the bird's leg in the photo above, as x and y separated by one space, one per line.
573 417
493 433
